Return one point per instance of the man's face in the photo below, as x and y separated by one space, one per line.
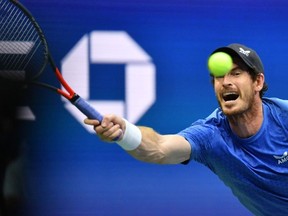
235 91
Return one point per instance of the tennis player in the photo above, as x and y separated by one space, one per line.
244 141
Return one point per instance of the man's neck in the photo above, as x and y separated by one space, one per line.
248 123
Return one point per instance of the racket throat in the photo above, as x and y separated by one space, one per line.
74 98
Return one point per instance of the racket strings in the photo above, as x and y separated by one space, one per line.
24 47
15 28
14 24
23 54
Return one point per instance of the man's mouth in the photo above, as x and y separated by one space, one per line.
230 96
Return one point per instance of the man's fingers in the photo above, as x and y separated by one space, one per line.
111 133
91 122
109 129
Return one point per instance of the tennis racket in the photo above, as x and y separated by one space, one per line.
24 54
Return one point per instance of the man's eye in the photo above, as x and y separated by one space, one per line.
236 73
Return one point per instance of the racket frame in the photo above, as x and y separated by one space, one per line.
68 93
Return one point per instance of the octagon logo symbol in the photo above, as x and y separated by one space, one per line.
111 47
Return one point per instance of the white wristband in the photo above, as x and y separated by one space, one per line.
132 137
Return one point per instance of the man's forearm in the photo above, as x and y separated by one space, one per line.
149 150
161 149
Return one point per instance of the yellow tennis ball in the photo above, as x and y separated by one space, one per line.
219 64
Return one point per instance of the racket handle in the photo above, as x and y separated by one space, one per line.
86 108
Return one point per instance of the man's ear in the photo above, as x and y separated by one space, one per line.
259 82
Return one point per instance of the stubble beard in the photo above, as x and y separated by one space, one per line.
246 106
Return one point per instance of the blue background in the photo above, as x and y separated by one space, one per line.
71 172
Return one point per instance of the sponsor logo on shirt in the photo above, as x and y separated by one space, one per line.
283 158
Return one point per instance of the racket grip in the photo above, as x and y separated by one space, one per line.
86 108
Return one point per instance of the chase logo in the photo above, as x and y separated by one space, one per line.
111 48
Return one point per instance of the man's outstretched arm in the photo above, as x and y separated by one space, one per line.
143 143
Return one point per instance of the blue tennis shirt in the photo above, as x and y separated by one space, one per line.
255 168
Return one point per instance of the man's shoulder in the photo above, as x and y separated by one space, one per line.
215 117
214 121
272 101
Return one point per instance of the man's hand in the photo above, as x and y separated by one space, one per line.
110 129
